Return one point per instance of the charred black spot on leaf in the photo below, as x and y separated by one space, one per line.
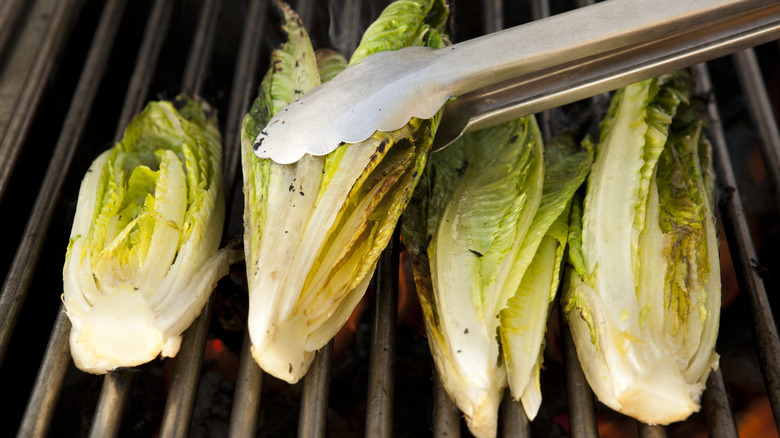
179 103
264 133
382 145
291 368
342 143
465 332
462 168
513 138
257 144
476 253
292 188
301 193
296 63
298 91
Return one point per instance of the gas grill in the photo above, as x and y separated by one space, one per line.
72 75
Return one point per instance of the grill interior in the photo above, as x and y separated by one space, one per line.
72 74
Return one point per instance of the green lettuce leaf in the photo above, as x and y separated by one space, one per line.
143 255
644 296
314 229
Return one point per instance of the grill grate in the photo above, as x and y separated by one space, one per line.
64 68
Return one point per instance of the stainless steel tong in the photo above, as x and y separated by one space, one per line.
518 71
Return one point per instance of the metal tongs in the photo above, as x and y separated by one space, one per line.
515 72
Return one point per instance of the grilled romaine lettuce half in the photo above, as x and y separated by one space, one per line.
486 230
314 229
643 297
144 254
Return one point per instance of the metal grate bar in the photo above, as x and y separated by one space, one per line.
34 86
746 260
582 406
186 374
717 410
245 414
22 270
116 384
715 401
446 416
493 16
189 360
202 48
650 431
244 417
240 95
10 10
350 32
514 421
305 9
113 395
381 371
48 383
761 113
146 60
316 388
